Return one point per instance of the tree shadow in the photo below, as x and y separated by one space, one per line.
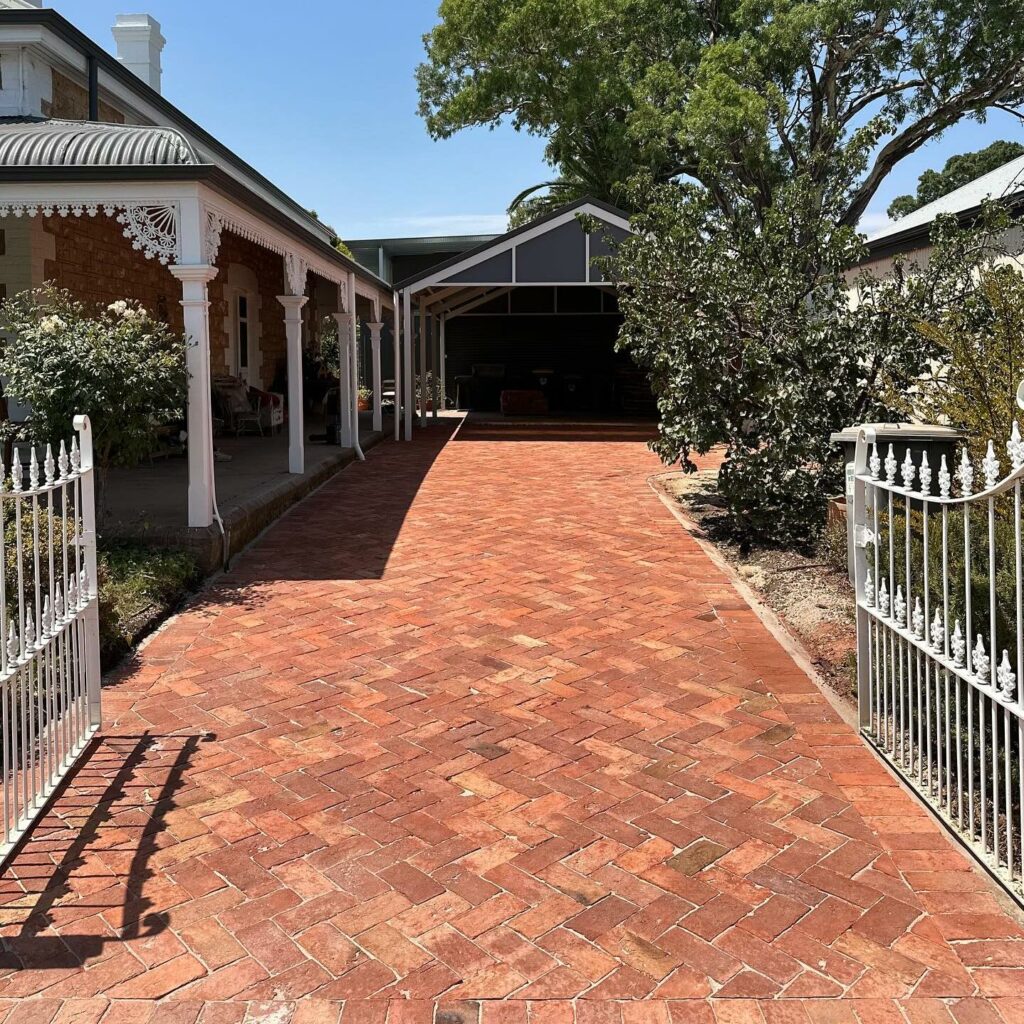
53 859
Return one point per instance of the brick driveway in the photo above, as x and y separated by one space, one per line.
480 722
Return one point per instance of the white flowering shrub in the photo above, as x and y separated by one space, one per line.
117 364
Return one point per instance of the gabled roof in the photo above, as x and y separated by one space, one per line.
494 262
34 142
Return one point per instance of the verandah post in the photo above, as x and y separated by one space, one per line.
862 536
87 513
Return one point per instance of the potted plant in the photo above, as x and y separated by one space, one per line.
428 387
365 399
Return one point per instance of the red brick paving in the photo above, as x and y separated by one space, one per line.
478 732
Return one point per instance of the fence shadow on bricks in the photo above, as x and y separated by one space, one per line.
117 799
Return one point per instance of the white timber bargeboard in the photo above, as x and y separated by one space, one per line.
510 244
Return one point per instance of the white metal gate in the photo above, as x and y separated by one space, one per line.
940 644
49 657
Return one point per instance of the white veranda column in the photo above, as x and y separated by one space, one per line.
354 369
378 400
441 359
293 343
409 370
397 343
423 363
195 304
435 353
344 378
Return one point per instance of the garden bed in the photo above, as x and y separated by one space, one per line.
139 588
809 591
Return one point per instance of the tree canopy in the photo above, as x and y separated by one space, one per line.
746 138
739 95
957 171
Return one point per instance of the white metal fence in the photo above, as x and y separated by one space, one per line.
940 644
49 656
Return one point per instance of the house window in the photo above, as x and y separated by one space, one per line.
243 332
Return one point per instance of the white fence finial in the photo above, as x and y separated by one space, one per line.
1015 447
890 465
990 466
945 480
966 474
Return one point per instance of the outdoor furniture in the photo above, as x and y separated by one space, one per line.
523 402
269 407
482 387
235 406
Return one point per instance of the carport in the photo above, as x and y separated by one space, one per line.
524 322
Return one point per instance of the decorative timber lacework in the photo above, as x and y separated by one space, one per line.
940 636
152 228
295 268
211 239
253 230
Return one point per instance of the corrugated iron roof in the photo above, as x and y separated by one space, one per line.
1001 183
56 143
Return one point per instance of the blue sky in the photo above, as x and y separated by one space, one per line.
319 95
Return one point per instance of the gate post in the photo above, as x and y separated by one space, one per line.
860 537
88 540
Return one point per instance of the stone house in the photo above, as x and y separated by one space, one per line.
110 191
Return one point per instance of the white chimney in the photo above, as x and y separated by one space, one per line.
139 44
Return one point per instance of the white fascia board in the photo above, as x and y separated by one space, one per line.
42 193
587 209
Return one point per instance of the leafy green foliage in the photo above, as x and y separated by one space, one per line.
957 171
118 365
139 587
567 70
747 349
976 332
740 96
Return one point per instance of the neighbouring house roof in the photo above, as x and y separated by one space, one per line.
31 142
399 257
367 249
420 245
912 231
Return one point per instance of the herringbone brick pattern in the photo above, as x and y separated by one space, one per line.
478 722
